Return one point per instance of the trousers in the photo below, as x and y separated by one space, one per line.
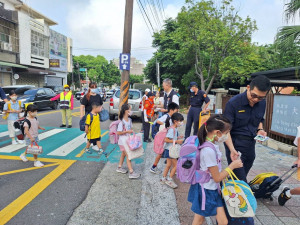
192 117
66 113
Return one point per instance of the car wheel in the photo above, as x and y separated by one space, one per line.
55 104
112 117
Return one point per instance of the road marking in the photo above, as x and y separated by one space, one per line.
83 150
17 205
51 112
69 146
12 148
27 169
77 114
3 134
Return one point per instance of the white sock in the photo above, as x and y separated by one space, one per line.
288 193
170 179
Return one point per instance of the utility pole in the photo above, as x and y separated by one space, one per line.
157 74
86 78
126 49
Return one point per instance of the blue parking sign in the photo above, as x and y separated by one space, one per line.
125 61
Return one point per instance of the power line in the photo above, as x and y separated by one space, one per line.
146 15
160 9
163 7
144 19
155 20
155 12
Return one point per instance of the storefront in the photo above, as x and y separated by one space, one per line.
7 73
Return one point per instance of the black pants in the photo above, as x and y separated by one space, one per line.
247 147
192 117
142 121
146 127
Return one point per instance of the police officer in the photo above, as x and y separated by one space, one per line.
246 112
196 102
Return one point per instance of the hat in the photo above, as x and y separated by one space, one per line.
147 90
193 84
66 86
150 94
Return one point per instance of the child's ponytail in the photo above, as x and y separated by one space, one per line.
202 134
168 122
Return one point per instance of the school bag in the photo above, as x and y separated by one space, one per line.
82 121
155 127
159 141
5 115
113 136
238 197
19 125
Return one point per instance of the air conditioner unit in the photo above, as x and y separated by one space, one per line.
6 46
10 47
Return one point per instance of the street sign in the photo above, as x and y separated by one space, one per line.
82 69
124 61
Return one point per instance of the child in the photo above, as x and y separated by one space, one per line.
92 128
12 110
177 121
148 115
31 132
216 129
286 193
124 129
172 108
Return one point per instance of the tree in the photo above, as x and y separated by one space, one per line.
136 79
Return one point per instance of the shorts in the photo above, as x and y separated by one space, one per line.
28 142
213 200
165 154
94 141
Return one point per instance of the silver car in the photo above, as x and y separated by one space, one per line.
134 99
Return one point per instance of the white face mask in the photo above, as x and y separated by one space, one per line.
129 113
94 90
67 89
223 138
180 124
13 98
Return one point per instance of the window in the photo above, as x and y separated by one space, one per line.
41 92
49 91
39 44
133 95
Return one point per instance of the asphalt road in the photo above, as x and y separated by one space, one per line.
48 195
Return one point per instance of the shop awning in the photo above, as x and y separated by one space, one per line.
12 65
35 71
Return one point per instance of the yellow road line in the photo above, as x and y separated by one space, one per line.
27 169
32 159
17 205
51 112
83 150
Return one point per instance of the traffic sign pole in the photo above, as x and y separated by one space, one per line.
126 50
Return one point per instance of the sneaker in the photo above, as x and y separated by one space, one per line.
14 143
95 148
134 175
38 164
171 184
282 198
88 151
20 141
23 157
163 180
62 125
70 126
155 170
121 170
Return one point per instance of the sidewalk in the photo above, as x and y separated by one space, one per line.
114 199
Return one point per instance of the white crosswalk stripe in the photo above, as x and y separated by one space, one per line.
69 146
13 148
3 134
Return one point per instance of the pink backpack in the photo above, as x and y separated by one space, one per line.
159 141
113 136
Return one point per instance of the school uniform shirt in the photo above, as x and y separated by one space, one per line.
15 106
164 118
173 135
94 127
208 159
124 126
34 127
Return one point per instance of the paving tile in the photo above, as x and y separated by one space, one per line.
256 221
295 210
290 220
269 220
281 211
263 210
186 220
293 202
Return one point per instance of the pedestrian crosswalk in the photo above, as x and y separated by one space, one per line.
56 142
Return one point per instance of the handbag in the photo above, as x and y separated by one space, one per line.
238 197
134 142
34 149
104 115
131 154
174 151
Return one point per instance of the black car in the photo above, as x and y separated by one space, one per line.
79 95
40 97
56 89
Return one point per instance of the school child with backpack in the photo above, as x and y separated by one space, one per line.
123 131
148 115
214 131
172 137
92 128
31 127
12 109
172 108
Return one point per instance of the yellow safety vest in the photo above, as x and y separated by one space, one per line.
65 101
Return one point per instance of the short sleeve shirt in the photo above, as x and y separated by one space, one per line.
34 127
127 125
14 106
88 103
94 127
197 100
244 118
173 135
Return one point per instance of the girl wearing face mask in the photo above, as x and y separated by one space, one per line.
31 127
215 130
12 110
172 134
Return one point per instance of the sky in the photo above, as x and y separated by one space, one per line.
96 26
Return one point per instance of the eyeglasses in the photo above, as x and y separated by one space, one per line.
258 97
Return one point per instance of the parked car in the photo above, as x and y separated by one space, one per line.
79 95
40 97
102 94
134 99
110 93
56 89
19 89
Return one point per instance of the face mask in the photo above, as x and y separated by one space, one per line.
67 89
95 90
13 98
129 113
191 90
179 124
223 138
34 114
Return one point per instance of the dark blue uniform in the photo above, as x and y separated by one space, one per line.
196 102
245 120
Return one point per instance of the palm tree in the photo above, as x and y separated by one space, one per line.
289 36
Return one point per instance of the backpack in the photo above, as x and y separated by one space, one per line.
113 127
82 121
159 141
19 125
5 115
155 127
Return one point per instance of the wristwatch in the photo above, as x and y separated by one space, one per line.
259 130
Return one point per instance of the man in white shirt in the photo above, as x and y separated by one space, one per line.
170 95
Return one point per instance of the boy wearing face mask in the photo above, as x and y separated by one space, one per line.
66 105
12 110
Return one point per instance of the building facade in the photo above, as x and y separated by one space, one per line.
136 66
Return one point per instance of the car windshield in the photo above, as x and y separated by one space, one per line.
7 90
133 95
30 92
19 91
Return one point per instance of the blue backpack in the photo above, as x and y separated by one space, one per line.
82 121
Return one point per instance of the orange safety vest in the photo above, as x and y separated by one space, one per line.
149 107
